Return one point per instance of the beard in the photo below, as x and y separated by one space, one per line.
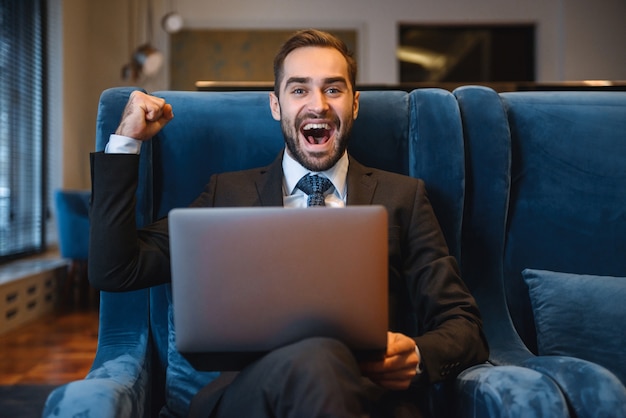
316 161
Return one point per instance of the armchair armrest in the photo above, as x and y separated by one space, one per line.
118 384
508 392
573 376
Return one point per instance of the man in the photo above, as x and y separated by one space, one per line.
435 324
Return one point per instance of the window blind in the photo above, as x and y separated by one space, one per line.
22 127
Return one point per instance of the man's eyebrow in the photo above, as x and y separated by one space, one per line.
306 80
297 80
334 80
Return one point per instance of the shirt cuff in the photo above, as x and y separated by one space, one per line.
119 144
419 369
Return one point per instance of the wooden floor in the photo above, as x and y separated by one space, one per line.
56 349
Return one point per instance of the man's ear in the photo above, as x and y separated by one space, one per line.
355 106
274 106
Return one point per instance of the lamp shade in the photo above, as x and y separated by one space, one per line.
148 59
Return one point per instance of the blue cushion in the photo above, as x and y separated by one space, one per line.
580 316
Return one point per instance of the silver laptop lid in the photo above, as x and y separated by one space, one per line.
248 280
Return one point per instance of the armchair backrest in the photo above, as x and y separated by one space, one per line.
568 182
546 176
215 132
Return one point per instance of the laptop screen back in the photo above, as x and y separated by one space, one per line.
248 280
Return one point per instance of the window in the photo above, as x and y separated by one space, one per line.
23 204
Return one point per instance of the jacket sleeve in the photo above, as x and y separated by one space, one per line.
121 257
449 326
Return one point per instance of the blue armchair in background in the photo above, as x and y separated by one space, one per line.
72 215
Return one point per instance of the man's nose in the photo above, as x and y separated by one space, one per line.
318 103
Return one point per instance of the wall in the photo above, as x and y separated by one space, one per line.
568 31
576 40
76 99
95 48
594 40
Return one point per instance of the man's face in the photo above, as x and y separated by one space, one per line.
317 106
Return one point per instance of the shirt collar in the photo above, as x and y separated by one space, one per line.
293 172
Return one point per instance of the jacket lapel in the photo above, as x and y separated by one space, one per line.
361 184
269 183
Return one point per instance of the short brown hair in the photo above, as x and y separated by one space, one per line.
312 37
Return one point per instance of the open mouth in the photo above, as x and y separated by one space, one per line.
317 133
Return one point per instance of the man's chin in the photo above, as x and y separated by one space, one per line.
318 162
314 158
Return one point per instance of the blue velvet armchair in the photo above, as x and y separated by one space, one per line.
137 371
544 237
72 214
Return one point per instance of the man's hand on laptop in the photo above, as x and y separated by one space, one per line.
398 368
144 116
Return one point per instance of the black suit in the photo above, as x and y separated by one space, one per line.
428 300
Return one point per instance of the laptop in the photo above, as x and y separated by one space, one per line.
248 280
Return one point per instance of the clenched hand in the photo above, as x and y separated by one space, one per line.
398 368
144 116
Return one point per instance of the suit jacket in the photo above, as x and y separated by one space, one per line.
428 299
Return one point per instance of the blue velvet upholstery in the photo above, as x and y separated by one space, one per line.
437 156
72 219
558 300
590 390
72 214
118 384
137 371
546 174
507 392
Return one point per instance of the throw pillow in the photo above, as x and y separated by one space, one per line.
580 316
